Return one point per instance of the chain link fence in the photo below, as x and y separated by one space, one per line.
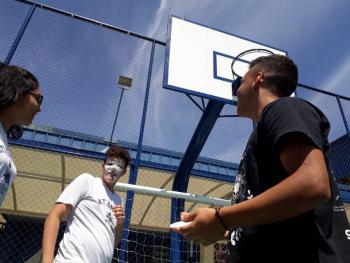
78 63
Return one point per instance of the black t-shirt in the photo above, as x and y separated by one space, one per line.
309 237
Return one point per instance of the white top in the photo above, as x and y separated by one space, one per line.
90 232
7 167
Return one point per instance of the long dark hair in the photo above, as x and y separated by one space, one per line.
14 83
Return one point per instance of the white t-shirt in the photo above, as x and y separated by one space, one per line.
90 232
7 167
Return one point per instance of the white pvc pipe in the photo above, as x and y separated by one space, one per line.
171 194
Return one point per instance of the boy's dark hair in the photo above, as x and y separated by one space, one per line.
281 74
116 151
14 83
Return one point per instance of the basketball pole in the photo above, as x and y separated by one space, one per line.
182 176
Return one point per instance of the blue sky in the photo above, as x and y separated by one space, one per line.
315 33
77 63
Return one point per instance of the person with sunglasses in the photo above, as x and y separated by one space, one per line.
95 215
20 101
285 203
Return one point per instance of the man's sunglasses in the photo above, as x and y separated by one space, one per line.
235 85
39 98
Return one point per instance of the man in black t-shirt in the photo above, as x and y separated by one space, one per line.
285 203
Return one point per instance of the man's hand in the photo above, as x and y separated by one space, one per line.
118 212
205 227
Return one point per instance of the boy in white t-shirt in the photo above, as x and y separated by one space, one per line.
95 215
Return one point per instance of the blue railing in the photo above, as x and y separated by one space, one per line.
57 140
93 146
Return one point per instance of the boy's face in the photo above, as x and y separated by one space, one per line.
27 107
113 169
244 94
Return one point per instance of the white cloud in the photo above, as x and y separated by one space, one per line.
339 78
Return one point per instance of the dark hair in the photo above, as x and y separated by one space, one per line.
281 73
14 83
116 151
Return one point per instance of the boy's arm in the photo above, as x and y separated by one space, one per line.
52 224
306 188
119 214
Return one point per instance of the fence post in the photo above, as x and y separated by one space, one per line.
343 116
20 34
133 174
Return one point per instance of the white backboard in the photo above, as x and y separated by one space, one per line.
198 59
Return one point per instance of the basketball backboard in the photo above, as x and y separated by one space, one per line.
198 59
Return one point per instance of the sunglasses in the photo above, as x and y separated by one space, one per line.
235 85
39 98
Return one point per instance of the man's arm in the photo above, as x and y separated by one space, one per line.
52 224
119 214
305 189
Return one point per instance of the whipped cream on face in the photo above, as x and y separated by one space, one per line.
114 168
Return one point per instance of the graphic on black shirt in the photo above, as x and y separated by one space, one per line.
241 192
